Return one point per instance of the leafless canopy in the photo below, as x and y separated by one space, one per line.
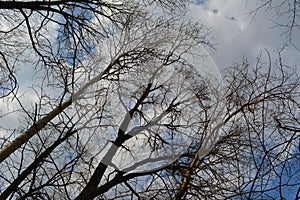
120 110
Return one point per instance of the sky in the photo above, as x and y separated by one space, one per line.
237 34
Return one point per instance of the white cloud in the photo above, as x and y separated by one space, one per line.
237 34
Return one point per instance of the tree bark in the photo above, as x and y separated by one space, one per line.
34 129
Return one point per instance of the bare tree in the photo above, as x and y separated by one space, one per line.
121 111
254 154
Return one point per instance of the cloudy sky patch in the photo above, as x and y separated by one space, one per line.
239 34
